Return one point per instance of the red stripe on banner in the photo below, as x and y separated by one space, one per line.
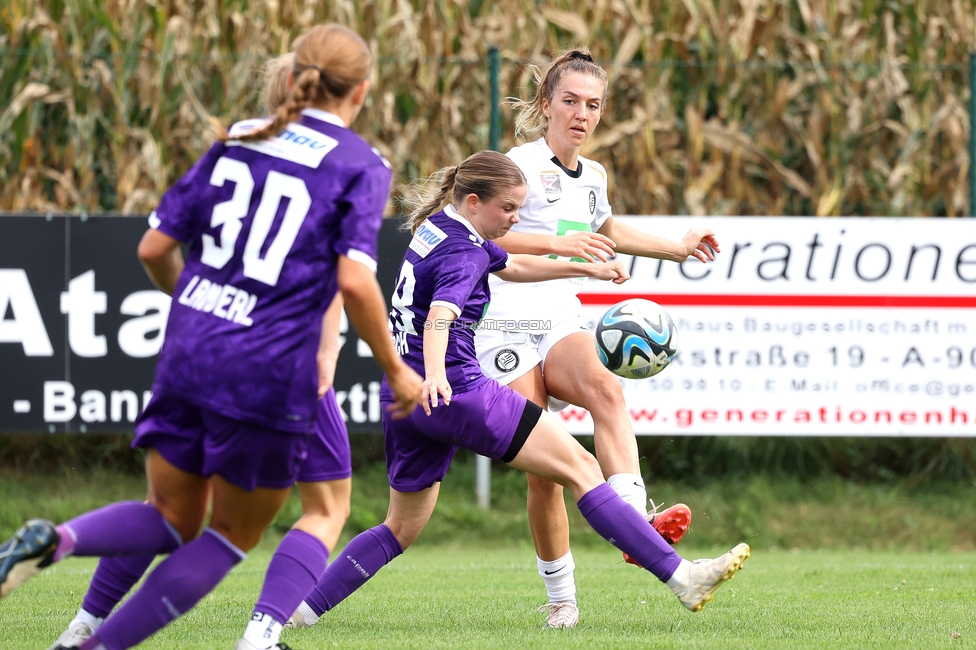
756 300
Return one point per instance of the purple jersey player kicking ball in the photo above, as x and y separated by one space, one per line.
441 296
277 220
324 482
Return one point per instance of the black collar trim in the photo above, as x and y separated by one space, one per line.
572 173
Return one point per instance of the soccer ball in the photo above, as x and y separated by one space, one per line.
636 338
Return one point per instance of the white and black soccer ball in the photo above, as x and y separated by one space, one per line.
636 338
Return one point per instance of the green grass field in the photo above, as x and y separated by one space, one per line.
485 596
835 564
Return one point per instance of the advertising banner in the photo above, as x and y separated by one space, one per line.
808 327
81 326
800 327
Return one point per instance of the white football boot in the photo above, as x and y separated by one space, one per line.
563 614
77 632
706 576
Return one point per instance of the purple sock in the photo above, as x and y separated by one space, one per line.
296 566
172 589
113 579
366 554
123 528
620 524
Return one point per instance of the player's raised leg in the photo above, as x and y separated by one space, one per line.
123 528
573 373
551 452
116 575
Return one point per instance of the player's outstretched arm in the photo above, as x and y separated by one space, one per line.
698 242
437 329
532 268
367 311
161 257
585 245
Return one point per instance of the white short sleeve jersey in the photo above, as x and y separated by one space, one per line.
559 202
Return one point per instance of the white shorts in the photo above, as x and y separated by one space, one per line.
506 356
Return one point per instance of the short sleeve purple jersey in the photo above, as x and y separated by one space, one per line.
265 223
447 264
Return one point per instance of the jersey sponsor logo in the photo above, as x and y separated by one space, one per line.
426 238
297 143
595 166
551 183
507 360
222 300
592 202
554 200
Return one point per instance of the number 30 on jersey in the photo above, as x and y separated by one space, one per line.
227 216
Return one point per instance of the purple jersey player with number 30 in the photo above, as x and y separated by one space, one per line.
277 220
441 297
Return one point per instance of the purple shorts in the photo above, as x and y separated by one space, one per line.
491 420
202 442
329 457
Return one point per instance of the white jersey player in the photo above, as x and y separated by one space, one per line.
533 338
532 317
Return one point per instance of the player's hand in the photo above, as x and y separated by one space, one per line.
405 384
327 366
433 386
622 273
615 272
585 245
700 243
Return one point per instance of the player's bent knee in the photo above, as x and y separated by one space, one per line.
405 532
587 473
186 522
543 487
604 398
243 538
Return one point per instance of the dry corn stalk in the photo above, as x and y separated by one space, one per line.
770 107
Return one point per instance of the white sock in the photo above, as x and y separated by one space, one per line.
306 612
679 579
558 576
89 619
262 630
631 489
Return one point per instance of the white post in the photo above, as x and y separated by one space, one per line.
482 481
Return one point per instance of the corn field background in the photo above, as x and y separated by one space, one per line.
764 107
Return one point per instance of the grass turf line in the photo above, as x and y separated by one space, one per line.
484 596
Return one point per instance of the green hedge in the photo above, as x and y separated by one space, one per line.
692 459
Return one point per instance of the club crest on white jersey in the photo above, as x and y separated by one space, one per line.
550 182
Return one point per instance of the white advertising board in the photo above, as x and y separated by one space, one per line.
803 326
